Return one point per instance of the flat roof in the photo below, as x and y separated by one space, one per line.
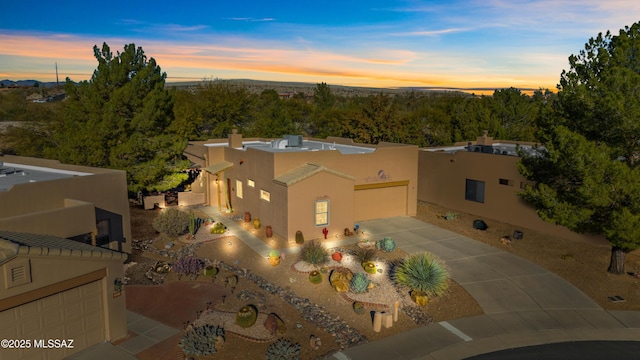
495 148
281 145
13 174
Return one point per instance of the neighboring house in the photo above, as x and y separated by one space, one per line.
58 289
85 204
481 178
295 184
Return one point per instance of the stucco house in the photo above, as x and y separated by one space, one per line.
81 203
481 178
55 289
296 184
64 236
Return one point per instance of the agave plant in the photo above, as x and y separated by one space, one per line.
314 253
359 283
423 273
283 349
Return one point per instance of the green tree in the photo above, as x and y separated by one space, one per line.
271 118
211 110
588 179
120 119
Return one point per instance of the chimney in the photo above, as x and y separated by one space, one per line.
235 139
484 139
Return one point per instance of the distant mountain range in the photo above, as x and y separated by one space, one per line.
26 83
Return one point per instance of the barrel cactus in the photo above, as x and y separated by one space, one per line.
359 283
247 316
387 244
315 277
358 307
369 267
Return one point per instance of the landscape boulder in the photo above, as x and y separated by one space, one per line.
340 279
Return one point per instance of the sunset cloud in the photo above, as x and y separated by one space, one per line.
469 43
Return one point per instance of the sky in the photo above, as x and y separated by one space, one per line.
373 43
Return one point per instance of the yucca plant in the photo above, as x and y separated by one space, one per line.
314 253
422 273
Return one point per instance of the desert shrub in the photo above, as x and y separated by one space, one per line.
359 283
172 222
363 255
188 265
422 272
201 340
283 349
314 253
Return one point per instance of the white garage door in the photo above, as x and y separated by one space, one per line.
76 314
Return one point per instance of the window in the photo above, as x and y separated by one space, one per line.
322 212
103 234
251 183
239 188
474 191
265 195
505 182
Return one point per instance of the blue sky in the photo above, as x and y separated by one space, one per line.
462 44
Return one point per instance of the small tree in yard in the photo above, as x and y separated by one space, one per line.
587 178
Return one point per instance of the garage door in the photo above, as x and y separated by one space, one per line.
76 314
380 202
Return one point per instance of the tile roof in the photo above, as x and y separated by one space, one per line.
305 171
14 243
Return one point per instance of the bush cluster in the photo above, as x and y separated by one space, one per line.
314 253
172 222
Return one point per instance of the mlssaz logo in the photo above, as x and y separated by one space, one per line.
54 344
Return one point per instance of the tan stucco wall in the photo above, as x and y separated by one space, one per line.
443 180
387 164
51 207
51 270
301 203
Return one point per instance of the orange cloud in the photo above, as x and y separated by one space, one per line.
33 56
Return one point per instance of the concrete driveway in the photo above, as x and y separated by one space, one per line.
524 304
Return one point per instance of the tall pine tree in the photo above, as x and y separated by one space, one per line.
120 119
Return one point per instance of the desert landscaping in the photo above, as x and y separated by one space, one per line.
285 303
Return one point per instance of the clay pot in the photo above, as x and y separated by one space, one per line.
337 256
247 216
268 231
